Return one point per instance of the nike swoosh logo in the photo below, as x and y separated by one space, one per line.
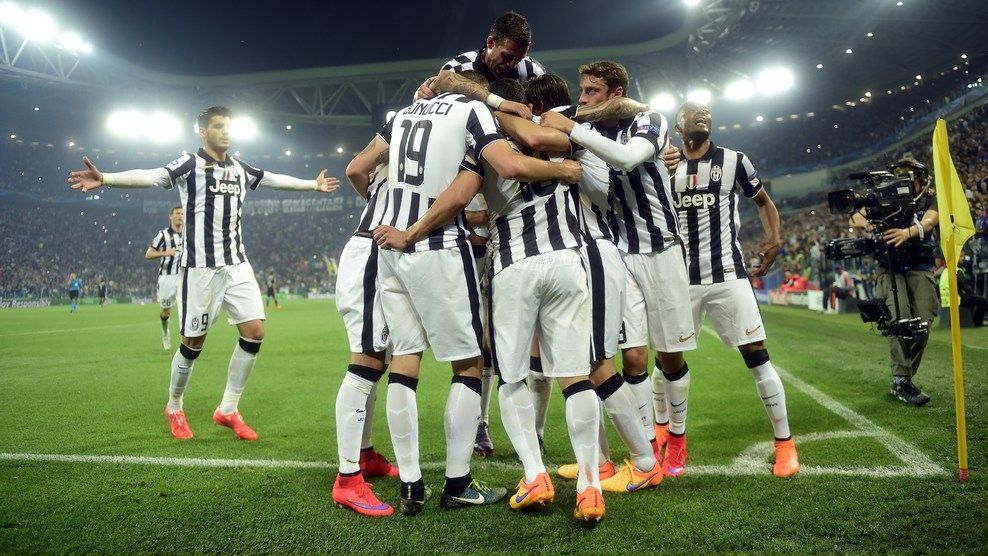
685 338
361 410
521 498
677 405
752 331
633 486
369 506
477 500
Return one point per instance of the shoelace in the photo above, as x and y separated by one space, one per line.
479 486
180 420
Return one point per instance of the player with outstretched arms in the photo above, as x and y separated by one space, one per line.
215 273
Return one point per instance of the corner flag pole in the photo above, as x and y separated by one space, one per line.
955 221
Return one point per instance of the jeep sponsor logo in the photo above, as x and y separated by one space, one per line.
225 187
694 200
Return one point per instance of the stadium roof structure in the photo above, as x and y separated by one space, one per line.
723 40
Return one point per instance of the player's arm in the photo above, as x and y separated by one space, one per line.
532 135
91 178
772 226
152 253
616 108
291 183
363 164
625 157
449 81
450 202
512 165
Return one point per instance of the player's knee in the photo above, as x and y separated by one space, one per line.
634 361
253 332
249 345
194 343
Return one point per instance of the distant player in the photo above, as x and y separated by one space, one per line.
215 273
75 287
428 283
102 291
706 186
166 247
272 285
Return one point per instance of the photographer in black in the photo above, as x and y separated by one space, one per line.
911 234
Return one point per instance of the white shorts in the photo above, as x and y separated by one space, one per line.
606 280
662 283
545 294
634 331
431 298
204 291
732 309
167 289
358 299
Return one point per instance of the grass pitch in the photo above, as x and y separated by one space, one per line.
879 476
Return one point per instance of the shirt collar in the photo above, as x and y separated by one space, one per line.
203 154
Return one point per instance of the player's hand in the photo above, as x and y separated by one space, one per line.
671 157
572 171
556 120
390 238
425 90
516 108
897 236
768 253
87 179
170 252
326 185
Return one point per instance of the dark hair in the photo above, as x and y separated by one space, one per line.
613 74
174 208
509 89
547 91
512 26
475 76
203 120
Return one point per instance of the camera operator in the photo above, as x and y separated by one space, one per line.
913 273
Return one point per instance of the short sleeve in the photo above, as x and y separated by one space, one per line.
179 169
481 128
471 164
253 175
652 126
746 177
385 131
158 243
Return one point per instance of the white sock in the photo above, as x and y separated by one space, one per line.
403 421
583 421
241 363
164 327
366 437
677 391
773 395
541 388
642 390
518 417
460 424
620 406
659 405
351 415
181 370
605 447
487 382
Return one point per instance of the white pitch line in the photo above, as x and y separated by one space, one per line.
920 463
61 330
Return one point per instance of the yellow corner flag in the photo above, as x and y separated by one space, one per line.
956 227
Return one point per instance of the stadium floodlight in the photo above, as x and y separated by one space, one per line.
38 26
691 3
663 102
162 128
759 119
11 14
72 42
702 96
339 150
288 153
773 81
126 123
739 90
243 128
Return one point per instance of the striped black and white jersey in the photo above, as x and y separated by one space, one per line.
377 197
526 69
528 219
642 198
164 240
429 142
212 193
705 195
